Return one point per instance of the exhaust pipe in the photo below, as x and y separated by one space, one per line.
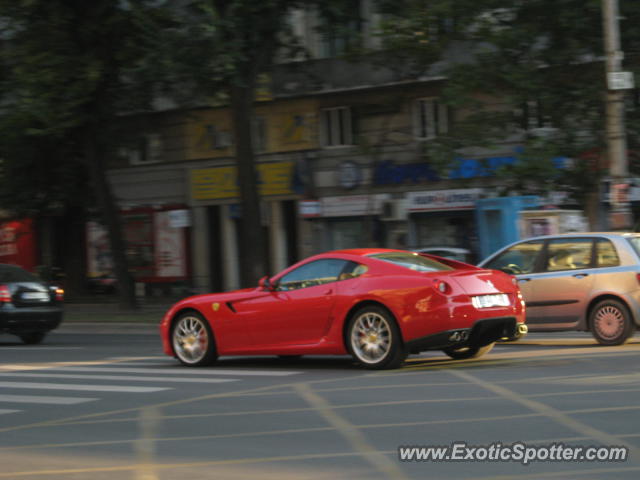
522 330
454 337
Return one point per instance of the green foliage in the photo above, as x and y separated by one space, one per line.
65 65
506 60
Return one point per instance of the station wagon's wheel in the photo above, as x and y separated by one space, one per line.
468 352
373 339
611 322
32 338
193 341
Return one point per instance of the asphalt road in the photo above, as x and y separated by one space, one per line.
102 402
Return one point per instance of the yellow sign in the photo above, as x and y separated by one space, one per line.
222 182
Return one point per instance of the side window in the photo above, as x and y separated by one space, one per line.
568 254
520 258
606 254
312 274
353 270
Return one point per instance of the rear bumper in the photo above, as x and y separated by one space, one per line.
483 332
24 320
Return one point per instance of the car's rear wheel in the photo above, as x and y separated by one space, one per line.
611 322
32 338
374 340
193 341
462 353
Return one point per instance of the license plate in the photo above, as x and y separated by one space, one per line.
38 296
493 300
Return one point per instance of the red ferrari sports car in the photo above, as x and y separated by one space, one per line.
378 305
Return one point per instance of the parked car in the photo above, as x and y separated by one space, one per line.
29 308
378 305
587 282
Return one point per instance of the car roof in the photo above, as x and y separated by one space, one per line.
363 252
583 234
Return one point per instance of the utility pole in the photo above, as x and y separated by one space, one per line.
617 82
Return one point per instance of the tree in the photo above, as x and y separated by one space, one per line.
70 69
226 45
527 73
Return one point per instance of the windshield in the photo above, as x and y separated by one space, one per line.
635 243
413 261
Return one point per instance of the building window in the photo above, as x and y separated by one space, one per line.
341 33
336 127
148 148
259 135
533 116
431 118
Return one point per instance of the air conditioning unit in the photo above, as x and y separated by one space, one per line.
394 210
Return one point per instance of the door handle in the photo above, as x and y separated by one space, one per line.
580 275
329 292
524 280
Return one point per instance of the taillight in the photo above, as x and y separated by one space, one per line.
59 294
5 294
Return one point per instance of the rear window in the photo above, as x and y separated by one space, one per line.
11 273
412 261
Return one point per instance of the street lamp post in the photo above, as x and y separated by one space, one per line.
617 82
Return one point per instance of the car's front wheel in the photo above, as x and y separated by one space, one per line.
374 340
462 353
193 341
611 322
32 338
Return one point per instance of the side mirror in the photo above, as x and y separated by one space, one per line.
265 284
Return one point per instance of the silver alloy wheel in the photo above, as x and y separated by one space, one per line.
371 337
609 321
190 339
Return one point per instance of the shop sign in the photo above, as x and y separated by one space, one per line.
309 208
434 200
179 218
170 249
215 183
353 205
17 244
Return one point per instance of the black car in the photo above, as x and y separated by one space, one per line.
29 308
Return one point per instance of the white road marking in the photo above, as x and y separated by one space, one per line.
177 370
4 411
84 388
117 377
44 399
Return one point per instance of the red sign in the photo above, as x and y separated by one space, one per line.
17 244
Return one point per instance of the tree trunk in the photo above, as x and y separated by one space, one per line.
70 242
252 239
96 162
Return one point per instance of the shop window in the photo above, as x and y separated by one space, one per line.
431 118
335 127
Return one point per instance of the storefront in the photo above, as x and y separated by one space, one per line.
157 249
215 203
443 218
349 221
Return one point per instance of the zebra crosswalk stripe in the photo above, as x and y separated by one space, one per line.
44 399
84 388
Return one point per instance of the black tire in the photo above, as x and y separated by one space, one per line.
610 322
32 338
373 339
468 352
193 341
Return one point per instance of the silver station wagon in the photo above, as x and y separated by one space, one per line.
586 281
